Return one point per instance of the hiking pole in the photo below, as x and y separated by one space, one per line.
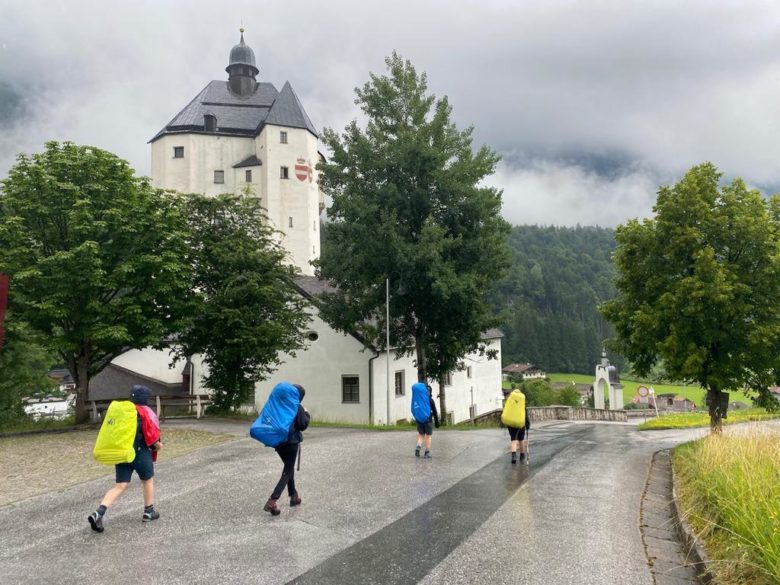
299 456
527 446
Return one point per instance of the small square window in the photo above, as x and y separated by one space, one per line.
248 175
219 177
290 222
284 173
350 389
400 389
283 137
178 152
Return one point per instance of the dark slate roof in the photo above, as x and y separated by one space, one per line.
250 161
240 115
115 382
288 111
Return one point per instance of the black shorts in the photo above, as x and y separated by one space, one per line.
142 465
516 434
425 428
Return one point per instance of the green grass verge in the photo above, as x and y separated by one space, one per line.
692 393
729 490
685 420
44 424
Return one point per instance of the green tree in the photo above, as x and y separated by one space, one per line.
408 205
698 287
96 256
24 363
247 310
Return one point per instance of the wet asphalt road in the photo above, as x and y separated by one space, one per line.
371 513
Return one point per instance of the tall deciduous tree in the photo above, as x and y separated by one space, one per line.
247 310
698 287
408 205
96 255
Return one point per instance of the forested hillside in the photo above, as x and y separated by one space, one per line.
549 299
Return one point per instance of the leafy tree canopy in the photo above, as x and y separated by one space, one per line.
247 310
698 286
408 205
97 256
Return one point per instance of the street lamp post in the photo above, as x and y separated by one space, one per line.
387 327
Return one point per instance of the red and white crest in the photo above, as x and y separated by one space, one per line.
302 170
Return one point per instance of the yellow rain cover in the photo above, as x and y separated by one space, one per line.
513 414
117 433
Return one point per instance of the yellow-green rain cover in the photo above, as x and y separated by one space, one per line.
117 433
513 414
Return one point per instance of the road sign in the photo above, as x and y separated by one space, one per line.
643 391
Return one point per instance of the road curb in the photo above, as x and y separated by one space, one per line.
666 551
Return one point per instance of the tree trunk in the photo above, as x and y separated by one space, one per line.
713 397
442 401
82 386
420 350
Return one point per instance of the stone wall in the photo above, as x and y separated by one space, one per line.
539 413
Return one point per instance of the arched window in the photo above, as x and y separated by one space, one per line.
210 123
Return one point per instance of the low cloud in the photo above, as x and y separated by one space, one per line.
556 193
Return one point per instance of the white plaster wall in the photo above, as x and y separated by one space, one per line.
203 154
292 198
319 369
485 381
152 363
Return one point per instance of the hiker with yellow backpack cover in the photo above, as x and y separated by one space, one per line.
129 439
515 418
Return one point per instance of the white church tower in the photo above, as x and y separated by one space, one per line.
243 135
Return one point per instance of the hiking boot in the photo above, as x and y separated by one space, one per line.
417 451
514 458
295 500
427 455
270 506
96 521
150 515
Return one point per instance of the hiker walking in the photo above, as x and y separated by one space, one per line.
287 451
145 443
515 417
425 414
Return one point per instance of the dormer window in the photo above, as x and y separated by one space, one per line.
210 123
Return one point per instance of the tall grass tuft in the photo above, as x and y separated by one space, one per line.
729 488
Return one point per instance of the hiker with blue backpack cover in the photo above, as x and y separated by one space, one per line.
280 425
425 415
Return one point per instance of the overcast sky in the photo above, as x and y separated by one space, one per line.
592 104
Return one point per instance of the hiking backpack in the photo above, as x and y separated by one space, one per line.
273 425
513 414
421 403
117 434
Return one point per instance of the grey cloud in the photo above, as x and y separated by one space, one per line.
590 103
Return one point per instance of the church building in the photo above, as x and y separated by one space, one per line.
242 135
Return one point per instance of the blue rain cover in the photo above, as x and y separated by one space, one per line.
276 418
421 404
